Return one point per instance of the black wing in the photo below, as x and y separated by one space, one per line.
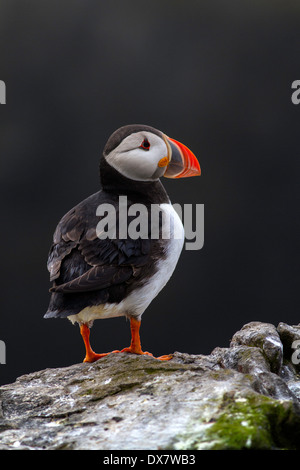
79 261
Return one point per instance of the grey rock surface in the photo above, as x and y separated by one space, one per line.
246 396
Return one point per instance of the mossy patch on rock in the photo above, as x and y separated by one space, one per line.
253 422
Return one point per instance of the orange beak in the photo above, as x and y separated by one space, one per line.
182 161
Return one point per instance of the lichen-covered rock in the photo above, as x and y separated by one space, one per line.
245 396
265 337
241 421
290 338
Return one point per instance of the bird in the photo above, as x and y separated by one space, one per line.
96 276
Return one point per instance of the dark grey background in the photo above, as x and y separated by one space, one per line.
215 75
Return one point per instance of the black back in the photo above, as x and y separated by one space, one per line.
86 270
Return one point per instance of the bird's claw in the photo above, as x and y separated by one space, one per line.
95 357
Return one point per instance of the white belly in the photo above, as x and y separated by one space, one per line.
139 299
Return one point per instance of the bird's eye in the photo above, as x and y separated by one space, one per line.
145 144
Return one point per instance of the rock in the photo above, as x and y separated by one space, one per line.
241 397
290 338
265 337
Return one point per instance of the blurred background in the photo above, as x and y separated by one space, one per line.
214 75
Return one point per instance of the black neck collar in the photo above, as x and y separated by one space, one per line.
143 191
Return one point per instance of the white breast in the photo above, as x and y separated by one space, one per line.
139 299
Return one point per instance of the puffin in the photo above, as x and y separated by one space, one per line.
98 273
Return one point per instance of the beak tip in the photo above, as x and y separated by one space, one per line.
183 163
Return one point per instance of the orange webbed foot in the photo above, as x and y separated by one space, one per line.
92 357
134 348
131 350
165 357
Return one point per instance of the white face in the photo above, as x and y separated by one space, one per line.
137 156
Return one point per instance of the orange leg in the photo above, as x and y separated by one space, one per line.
90 355
134 348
